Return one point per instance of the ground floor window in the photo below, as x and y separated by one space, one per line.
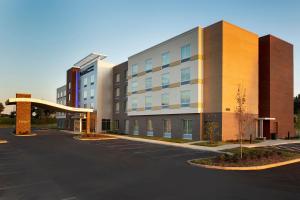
116 124
135 127
187 129
167 128
149 128
105 124
126 126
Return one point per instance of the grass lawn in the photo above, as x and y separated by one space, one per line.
220 143
251 157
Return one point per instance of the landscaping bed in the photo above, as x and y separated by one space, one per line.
251 157
175 140
220 143
93 136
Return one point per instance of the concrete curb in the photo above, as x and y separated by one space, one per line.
25 135
251 168
92 139
180 145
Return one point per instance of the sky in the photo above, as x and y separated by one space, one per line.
40 39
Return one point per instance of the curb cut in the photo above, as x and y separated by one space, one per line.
251 168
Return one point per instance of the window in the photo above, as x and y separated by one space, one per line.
135 127
165 59
187 129
148 102
117 78
126 90
185 53
148 65
85 82
134 70
69 85
116 124
185 76
134 104
92 79
105 124
84 105
58 95
117 107
148 84
69 97
117 92
165 80
125 106
149 128
185 98
126 75
167 128
64 92
165 100
85 95
126 126
134 85
92 93
92 105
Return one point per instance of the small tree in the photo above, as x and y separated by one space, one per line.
1 107
210 128
241 113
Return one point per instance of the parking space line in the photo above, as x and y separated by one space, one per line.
23 185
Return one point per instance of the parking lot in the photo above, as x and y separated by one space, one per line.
52 165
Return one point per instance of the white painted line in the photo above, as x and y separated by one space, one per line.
69 198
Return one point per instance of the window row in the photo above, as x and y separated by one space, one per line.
165 60
186 127
91 105
92 80
61 94
85 94
185 78
117 107
185 100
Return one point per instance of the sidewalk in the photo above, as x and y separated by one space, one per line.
217 149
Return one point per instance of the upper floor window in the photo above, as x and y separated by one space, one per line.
125 106
64 92
165 80
69 97
117 78
69 85
185 76
134 86
126 74
148 83
185 53
85 82
117 107
92 105
117 92
126 90
185 98
85 95
148 102
134 70
148 65
92 93
165 100
134 104
165 59
92 79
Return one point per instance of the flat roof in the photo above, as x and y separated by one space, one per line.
48 105
90 57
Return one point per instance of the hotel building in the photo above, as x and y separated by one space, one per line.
174 89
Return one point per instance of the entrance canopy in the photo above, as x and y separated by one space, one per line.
24 102
48 105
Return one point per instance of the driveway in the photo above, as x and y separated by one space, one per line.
52 165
